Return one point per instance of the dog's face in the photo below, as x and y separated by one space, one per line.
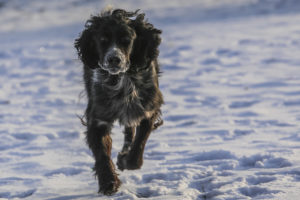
114 42
117 40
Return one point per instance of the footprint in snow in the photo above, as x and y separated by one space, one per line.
255 191
264 161
252 180
168 176
146 192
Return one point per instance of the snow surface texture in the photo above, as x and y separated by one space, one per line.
232 91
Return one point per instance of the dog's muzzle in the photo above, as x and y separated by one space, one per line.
115 61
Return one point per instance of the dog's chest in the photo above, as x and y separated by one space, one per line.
127 102
123 100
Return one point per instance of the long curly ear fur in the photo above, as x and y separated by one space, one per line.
86 47
148 39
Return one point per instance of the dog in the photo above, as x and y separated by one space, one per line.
119 51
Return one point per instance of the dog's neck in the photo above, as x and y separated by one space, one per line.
112 83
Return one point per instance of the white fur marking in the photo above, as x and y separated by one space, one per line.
95 77
115 51
100 122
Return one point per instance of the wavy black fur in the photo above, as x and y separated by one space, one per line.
130 95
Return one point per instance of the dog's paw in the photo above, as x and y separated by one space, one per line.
125 161
121 163
110 187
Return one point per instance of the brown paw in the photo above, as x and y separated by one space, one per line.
109 188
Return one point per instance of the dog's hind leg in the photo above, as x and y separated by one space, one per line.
100 143
133 158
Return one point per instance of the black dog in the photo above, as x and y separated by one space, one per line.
119 51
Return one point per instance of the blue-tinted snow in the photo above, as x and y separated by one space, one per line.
231 86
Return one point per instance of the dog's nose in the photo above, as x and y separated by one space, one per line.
114 60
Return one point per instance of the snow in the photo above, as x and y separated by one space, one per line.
231 86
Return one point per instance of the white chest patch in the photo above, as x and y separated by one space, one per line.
95 77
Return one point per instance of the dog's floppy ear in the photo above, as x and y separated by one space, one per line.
86 48
145 48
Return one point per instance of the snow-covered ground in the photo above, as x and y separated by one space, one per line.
231 85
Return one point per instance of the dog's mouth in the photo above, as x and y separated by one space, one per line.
113 69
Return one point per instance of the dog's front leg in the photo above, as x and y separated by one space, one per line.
133 158
100 143
128 138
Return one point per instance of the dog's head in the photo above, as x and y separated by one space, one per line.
115 42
